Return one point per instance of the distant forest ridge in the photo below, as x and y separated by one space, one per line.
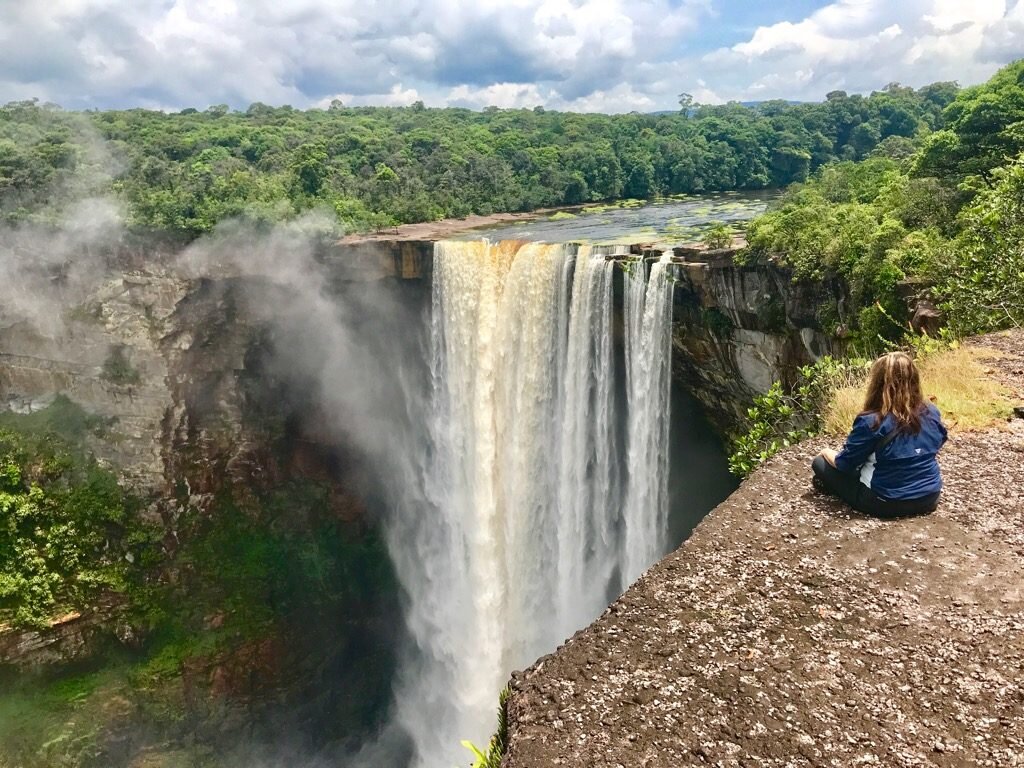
373 167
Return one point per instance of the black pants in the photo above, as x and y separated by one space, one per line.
850 489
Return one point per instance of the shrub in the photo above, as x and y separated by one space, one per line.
716 321
983 285
718 237
778 419
67 534
499 741
117 369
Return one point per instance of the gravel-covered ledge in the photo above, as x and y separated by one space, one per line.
788 631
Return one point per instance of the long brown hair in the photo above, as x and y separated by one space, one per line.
894 387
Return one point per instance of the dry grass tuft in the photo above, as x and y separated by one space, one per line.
955 379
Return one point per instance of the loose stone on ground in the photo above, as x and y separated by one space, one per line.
791 631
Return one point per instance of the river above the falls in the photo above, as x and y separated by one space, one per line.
662 222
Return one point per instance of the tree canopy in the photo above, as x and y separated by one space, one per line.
186 171
949 216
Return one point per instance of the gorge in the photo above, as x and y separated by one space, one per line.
429 387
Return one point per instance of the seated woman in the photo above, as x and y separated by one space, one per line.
887 467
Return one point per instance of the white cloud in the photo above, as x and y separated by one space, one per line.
504 95
860 45
616 55
621 98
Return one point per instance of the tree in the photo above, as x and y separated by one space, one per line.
983 287
718 237
864 138
983 129
310 168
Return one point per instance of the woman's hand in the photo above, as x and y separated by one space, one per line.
829 455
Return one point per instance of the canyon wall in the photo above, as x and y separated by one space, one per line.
739 328
169 365
176 385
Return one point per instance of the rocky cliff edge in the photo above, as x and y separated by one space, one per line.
790 631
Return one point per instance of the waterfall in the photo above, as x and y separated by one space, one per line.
648 307
543 488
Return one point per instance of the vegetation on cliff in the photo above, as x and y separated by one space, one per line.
69 536
951 222
945 222
372 167
207 619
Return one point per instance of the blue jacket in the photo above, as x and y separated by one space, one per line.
905 468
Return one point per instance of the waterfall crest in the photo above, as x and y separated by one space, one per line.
544 482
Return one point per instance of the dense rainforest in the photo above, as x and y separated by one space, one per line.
948 217
374 167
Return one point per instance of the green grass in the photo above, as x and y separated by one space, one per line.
561 216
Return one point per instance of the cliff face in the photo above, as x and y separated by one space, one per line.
737 329
232 455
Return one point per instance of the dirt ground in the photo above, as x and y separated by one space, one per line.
791 631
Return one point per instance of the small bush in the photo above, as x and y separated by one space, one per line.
117 369
716 321
69 535
778 418
718 237
499 741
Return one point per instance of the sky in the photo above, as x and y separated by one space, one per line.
581 55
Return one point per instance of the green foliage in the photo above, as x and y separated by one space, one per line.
68 535
780 417
499 741
716 321
848 222
72 719
117 369
248 568
561 216
256 564
62 418
717 237
983 284
56 709
375 167
984 129
882 221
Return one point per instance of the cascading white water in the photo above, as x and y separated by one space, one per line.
533 509
648 308
588 497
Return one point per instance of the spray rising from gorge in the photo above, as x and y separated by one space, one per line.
545 475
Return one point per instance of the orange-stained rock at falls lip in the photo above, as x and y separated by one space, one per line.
790 631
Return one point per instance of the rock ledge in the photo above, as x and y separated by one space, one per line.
789 631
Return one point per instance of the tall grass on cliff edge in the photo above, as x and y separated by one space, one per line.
830 394
954 378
